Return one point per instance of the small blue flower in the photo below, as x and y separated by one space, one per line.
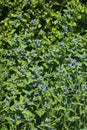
40 85
33 76
38 75
44 88
24 42
39 79
8 55
66 28
79 38
13 120
18 117
35 84
62 44
35 69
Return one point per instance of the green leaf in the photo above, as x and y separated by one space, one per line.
40 112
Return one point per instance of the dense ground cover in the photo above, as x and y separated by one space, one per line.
43 65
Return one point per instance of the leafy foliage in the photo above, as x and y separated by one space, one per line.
43 65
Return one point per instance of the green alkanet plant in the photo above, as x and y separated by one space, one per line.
43 65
